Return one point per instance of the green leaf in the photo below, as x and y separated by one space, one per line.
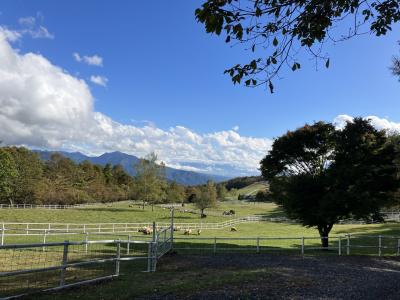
327 63
275 42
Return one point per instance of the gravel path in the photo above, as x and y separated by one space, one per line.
293 277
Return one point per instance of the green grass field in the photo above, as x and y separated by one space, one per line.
121 212
250 190
192 244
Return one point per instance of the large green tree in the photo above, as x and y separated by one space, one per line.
175 193
207 197
8 175
150 180
276 30
30 175
321 175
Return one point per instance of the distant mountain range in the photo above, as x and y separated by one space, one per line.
128 161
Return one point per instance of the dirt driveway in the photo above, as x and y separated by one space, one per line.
285 277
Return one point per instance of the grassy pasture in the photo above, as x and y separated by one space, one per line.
250 190
202 243
121 212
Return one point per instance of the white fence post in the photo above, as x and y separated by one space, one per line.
2 234
380 245
86 241
302 246
258 245
149 258
340 246
172 228
44 240
64 263
118 256
128 245
348 245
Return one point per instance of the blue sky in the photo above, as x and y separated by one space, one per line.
164 71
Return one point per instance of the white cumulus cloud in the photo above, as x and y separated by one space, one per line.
94 60
43 106
379 123
99 80
10 35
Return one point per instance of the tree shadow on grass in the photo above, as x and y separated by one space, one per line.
274 213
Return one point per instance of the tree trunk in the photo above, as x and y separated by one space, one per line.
324 234
152 207
143 204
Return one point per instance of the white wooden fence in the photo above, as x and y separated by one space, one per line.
10 229
32 260
340 244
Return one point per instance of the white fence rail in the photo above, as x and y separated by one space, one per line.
27 268
10 229
340 244
47 206
82 259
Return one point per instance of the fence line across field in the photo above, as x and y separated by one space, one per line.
64 257
18 229
343 244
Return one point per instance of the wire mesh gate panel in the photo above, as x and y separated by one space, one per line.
28 268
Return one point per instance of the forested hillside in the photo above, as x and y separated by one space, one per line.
25 177
128 162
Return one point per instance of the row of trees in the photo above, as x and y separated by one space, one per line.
25 178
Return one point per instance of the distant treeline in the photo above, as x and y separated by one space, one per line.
25 178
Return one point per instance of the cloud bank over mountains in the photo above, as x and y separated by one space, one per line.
43 106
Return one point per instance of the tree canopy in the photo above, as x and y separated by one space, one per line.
150 179
276 30
321 175
207 197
